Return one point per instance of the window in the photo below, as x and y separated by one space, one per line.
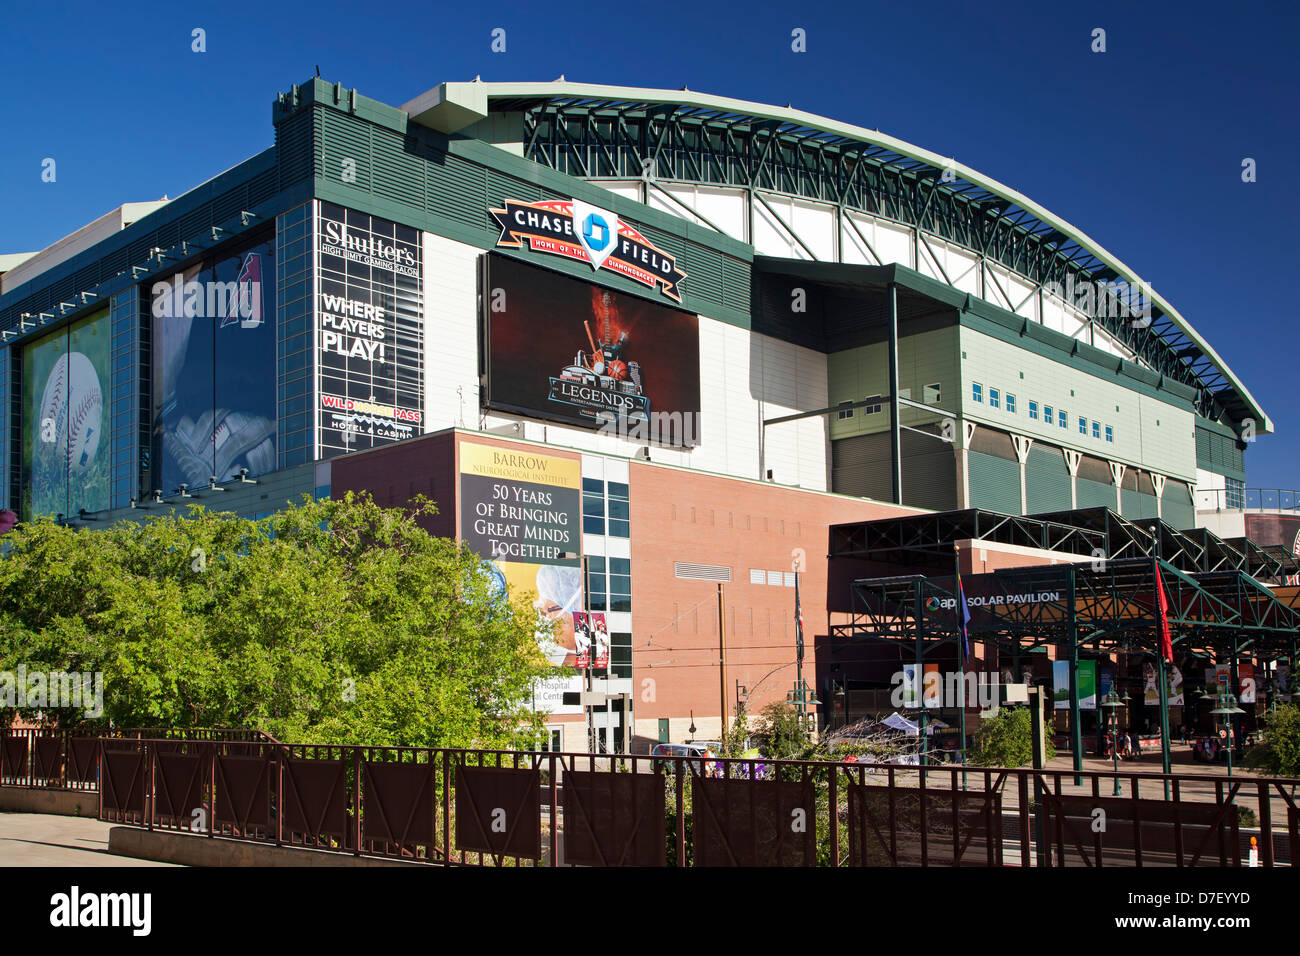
618 510
1096 430
597 596
932 394
620 655
1011 403
1083 426
976 392
871 410
1110 434
1234 493
593 506
844 413
1063 418
1047 414
620 584
993 398
549 740
1033 410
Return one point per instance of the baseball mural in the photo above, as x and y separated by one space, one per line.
64 419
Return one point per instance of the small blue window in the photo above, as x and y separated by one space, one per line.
1096 429
976 392
1063 418
1110 434
1011 403
1083 426
1033 410
994 398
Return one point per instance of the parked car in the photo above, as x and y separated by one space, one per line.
695 748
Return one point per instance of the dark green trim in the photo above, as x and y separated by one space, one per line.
106 267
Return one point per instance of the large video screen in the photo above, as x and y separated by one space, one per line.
574 352
214 369
66 457
369 331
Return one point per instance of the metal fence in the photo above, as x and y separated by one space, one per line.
512 808
69 759
1247 499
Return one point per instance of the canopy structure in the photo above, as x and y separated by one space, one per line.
1101 606
928 539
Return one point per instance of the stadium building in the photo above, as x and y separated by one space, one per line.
716 353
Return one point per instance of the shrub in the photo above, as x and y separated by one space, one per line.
1006 740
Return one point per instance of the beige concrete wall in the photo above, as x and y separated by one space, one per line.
68 803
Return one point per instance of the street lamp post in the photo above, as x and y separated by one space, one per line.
1227 707
1113 703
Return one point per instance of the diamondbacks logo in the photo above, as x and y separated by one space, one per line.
250 291
586 233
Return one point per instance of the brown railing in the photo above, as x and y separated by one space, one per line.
512 808
69 759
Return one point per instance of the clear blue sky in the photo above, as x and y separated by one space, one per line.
1140 147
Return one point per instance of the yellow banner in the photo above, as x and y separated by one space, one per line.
511 465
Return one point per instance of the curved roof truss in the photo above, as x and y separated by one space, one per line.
600 132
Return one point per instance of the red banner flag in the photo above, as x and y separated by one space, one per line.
1166 640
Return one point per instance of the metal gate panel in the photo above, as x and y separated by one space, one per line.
1123 831
83 759
122 782
315 799
896 826
499 811
47 759
754 823
179 786
398 801
13 758
614 819
243 791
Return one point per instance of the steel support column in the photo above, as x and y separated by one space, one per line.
1076 732
895 410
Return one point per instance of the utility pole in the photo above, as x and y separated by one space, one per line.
722 663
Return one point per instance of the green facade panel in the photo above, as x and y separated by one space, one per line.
1176 509
1094 494
1047 480
994 483
1138 506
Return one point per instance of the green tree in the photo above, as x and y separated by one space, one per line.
1006 739
332 621
1279 752
780 731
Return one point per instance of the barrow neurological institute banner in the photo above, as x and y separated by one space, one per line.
521 512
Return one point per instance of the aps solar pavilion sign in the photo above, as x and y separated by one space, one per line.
577 230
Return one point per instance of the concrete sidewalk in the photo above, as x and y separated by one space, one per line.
39 839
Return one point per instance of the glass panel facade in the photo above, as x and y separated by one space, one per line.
295 366
5 454
129 406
